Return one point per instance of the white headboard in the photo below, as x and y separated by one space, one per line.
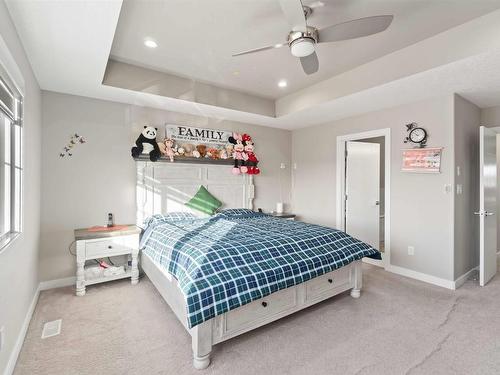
164 187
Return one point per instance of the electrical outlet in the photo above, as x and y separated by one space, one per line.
411 250
460 189
2 337
282 166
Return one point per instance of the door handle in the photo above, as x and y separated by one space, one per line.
377 203
484 213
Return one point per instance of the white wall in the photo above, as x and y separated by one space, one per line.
19 261
421 211
100 177
467 118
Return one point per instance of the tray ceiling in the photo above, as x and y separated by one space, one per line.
197 38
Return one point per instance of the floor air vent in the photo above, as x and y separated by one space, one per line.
52 328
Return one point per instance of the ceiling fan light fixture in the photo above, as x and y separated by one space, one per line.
302 47
150 43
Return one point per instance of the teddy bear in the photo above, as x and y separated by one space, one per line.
188 149
169 148
214 153
202 149
239 154
252 160
146 144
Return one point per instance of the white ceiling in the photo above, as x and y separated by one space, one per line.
68 44
197 38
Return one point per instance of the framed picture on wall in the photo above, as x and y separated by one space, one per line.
422 160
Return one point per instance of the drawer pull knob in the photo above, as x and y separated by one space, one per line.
330 281
110 247
264 304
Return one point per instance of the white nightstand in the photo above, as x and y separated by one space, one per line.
102 244
286 216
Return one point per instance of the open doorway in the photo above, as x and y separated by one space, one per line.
363 190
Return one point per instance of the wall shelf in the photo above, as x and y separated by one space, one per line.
187 160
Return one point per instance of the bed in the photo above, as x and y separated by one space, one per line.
237 270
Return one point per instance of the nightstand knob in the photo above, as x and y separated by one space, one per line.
330 281
110 247
264 304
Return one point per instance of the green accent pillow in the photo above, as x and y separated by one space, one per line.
204 201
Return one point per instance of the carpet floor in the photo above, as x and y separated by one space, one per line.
398 326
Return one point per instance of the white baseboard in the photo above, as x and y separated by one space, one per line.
448 284
22 334
462 279
57 283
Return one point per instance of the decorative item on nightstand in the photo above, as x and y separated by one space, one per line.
104 242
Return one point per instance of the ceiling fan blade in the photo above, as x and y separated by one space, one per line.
355 28
294 14
259 49
310 63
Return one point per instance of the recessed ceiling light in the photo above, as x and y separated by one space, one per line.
236 73
150 43
282 83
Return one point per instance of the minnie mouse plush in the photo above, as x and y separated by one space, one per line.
239 154
252 160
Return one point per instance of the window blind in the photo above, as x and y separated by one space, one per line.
7 101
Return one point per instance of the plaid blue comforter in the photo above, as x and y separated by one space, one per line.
233 258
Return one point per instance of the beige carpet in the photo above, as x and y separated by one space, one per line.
398 326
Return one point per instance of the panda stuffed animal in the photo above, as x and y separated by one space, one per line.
146 144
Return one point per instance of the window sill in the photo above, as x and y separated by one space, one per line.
7 240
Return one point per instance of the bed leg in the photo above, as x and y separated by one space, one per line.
201 336
356 279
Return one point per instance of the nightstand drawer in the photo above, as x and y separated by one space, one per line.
108 246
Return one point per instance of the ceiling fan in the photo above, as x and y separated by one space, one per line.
303 38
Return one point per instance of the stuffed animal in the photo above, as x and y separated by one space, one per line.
239 154
161 146
180 151
214 153
188 149
146 144
229 150
223 154
252 160
169 148
196 154
202 149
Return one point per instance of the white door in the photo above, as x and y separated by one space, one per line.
362 187
487 204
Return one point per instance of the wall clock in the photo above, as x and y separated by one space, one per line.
416 135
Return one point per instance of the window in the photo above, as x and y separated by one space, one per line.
11 170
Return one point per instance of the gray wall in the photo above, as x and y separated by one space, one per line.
467 120
421 211
19 261
100 177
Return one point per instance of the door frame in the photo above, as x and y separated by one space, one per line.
341 165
